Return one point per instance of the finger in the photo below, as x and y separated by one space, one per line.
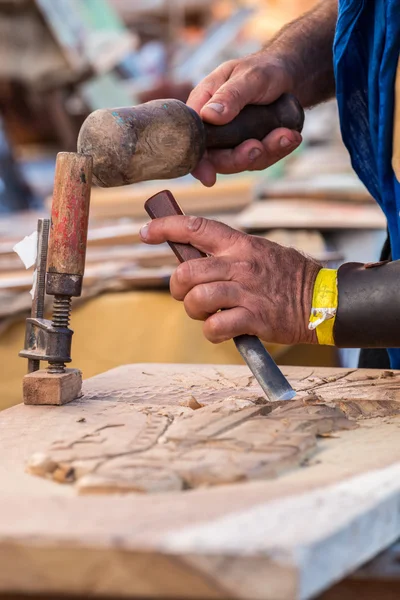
207 298
245 85
225 325
205 172
196 272
279 143
253 155
227 102
204 91
208 236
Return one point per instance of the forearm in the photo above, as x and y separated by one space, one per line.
306 48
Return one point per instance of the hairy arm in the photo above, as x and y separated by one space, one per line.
305 47
298 60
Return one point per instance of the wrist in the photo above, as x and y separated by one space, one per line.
276 68
287 61
304 46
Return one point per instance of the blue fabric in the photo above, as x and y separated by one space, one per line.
366 53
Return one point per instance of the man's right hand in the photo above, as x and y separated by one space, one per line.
255 79
265 289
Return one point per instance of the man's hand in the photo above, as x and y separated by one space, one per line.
265 288
256 79
298 60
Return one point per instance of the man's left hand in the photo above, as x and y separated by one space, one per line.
265 289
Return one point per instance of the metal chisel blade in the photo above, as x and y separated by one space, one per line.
271 379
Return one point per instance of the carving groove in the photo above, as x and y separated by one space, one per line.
232 435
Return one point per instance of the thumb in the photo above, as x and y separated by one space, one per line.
206 235
228 101
247 84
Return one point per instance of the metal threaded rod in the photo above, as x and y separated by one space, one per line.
61 311
61 314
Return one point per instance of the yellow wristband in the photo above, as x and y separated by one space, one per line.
324 306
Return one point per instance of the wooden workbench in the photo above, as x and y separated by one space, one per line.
240 498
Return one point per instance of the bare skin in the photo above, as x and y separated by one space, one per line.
298 60
265 288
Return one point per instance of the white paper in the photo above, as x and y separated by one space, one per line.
27 249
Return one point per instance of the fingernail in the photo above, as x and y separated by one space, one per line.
144 231
219 108
254 153
285 142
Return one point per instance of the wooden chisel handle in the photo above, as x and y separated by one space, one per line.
164 204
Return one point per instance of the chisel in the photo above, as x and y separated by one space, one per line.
271 379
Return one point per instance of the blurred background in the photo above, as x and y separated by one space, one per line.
62 59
